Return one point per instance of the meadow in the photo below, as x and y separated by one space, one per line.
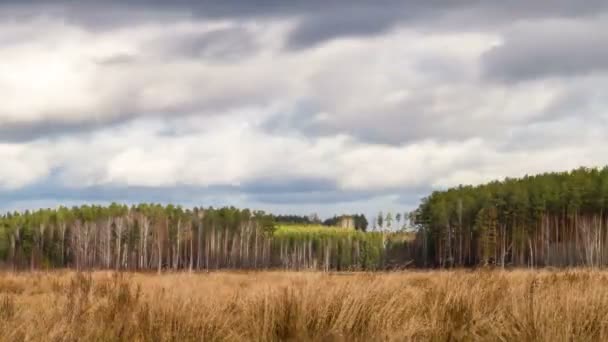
461 305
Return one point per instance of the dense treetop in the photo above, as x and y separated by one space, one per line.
584 190
542 219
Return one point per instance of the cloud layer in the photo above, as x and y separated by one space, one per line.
302 107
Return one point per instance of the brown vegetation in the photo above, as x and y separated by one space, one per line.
272 306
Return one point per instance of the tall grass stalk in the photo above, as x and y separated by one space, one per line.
283 306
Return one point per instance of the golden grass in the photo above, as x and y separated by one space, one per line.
280 306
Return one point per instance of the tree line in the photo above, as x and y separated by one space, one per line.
143 237
156 237
551 219
360 220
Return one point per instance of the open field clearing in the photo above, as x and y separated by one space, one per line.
272 306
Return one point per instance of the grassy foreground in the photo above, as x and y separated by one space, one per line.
273 306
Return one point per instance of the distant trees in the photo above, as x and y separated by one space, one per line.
389 220
156 238
147 236
552 219
380 220
296 219
360 221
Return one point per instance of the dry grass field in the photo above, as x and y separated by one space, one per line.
283 306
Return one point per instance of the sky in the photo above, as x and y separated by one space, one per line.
302 107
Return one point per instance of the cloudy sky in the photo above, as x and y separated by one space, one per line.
294 106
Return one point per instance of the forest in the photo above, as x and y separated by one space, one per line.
553 219
156 237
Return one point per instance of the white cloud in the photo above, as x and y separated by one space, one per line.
69 74
21 165
380 115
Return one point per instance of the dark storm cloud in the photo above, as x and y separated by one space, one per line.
584 101
544 136
549 49
407 122
331 195
54 195
49 128
313 197
318 20
539 46
107 193
292 185
347 21
264 191
53 187
303 191
222 45
530 52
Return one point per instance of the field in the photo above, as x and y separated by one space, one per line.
273 306
334 248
